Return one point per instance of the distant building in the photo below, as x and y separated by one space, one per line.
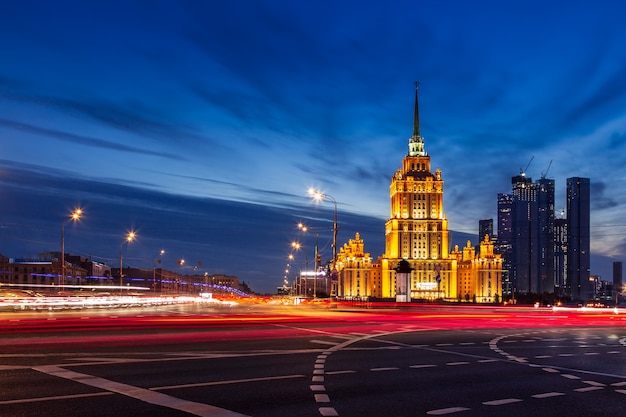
618 283
543 277
39 273
485 228
504 243
578 283
560 257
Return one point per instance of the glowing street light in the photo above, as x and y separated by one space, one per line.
319 196
154 262
74 216
316 255
130 236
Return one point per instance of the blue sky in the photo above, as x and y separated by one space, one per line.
201 124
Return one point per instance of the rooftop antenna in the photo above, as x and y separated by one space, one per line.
522 172
543 174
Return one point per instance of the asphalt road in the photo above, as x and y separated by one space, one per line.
249 361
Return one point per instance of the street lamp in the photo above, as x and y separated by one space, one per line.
130 236
316 261
154 262
74 216
319 196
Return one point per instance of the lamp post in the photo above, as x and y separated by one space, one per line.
319 196
74 216
297 246
154 262
316 260
130 236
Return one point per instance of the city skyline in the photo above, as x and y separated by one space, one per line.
201 127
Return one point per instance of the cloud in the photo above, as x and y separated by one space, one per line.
84 140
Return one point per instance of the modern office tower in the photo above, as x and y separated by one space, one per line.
417 229
560 256
543 279
504 244
524 255
485 227
531 258
617 277
578 237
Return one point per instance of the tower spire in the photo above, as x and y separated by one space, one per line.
416 143
416 115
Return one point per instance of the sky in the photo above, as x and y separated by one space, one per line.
201 124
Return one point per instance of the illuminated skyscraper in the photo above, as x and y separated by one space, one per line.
485 227
504 244
578 283
523 254
543 278
417 230
560 256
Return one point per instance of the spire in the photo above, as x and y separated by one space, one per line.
416 143
416 114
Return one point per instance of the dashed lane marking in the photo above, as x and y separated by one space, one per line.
444 411
587 389
548 395
502 401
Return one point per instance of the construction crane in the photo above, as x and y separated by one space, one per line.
522 172
543 174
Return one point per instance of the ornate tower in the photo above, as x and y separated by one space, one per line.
417 229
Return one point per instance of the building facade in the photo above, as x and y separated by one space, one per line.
354 269
479 274
417 229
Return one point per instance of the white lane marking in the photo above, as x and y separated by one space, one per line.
142 394
570 376
384 369
502 401
58 397
328 411
232 381
586 389
317 388
457 363
595 384
548 394
550 370
321 398
444 411
340 372
422 366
